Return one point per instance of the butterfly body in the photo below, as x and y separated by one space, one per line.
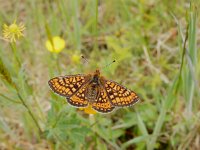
92 93
92 89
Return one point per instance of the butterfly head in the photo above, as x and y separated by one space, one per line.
97 72
95 79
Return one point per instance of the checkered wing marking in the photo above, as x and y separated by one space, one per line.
68 85
79 98
102 103
119 95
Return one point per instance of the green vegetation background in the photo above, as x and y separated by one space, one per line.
155 44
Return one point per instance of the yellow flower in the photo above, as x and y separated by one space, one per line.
56 45
75 58
13 31
88 110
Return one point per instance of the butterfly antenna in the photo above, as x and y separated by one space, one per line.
85 59
109 64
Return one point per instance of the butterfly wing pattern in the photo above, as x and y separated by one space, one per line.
79 99
102 103
119 95
83 90
71 87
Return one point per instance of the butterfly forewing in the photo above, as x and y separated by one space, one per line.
119 95
102 103
68 85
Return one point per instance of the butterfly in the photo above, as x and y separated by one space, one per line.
93 90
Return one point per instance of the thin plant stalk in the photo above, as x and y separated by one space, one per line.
14 50
7 76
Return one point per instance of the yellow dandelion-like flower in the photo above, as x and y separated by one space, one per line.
88 110
56 45
13 31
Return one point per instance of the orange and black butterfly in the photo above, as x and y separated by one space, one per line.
92 89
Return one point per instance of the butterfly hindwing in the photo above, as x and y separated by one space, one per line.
102 103
119 95
79 98
68 85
